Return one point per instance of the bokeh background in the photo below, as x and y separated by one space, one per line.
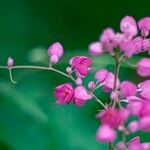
29 117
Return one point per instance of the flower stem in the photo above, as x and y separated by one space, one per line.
45 68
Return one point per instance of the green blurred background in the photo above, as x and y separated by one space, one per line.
29 117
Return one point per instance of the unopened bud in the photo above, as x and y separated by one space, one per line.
10 62
54 59
69 70
91 85
79 81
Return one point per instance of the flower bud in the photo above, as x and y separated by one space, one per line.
106 134
91 85
69 70
121 146
56 49
95 49
144 67
114 95
133 126
10 62
53 59
79 81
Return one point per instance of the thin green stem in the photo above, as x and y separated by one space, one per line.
46 68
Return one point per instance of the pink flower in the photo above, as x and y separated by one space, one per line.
144 25
134 144
91 85
55 51
110 116
106 134
128 48
145 90
127 88
108 40
145 146
145 109
81 96
134 106
81 64
138 43
133 126
95 49
10 62
128 26
146 45
64 93
109 82
144 124
101 75
144 67
121 146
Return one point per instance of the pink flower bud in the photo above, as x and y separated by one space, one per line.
101 75
134 144
121 146
145 90
138 43
79 81
10 62
106 134
56 49
144 25
95 49
91 85
127 88
146 45
144 124
145 146
54 59
114 95
64 93
133 126
108 40
128 26
69 70
144 67
81 96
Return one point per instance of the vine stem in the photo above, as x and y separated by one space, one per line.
47 68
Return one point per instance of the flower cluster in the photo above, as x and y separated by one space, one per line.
136 98
127 99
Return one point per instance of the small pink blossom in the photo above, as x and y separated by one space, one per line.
108 40
79 81
91 85
138 43
128 26
134 144
95 48
145 90
144 26
144 124
133 126
106 134
146 45
101 75
81 96
114 95
54 59
55 51
134 107
81 64
127 88
110 116
144 67
109 82
121 146
10 62
145 146
128 48
64 93
145 109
